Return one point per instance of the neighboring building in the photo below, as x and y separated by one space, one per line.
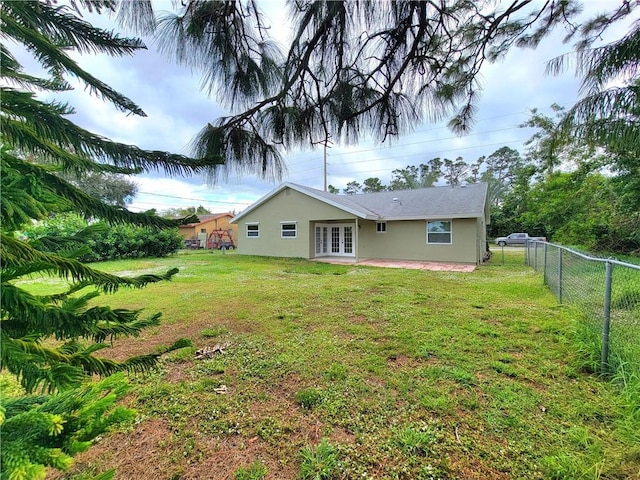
206 226
440 224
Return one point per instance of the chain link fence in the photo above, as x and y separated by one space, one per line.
606 291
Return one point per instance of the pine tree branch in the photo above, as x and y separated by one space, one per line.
15 253
84 204
22 22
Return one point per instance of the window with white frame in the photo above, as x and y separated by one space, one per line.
439 232
381 227
288 229
253 230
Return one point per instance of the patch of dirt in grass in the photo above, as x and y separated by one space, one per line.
162 336
149 452
405 361
140 453
358 319
299 426
178 372
340 435
376 382
225 456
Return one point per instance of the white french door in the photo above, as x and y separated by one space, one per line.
335 239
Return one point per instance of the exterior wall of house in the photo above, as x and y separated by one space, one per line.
192 230
286 206
407 240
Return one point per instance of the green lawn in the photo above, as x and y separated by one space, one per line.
351 372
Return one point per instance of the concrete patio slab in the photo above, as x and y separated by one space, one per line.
408 264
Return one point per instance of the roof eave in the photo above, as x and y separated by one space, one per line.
432 217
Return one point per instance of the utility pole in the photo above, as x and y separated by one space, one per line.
325 143
325 166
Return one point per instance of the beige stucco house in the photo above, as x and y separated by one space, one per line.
440 224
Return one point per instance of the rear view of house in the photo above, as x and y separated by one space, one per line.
438 224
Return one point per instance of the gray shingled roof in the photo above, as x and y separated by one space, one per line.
424 203
434 202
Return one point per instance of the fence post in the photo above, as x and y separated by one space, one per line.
606 323
559 275
544 266
535 256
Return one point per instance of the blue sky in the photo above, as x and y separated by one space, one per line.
177 109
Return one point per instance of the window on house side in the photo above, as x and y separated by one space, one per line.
289 230
381 227
253 230
439 232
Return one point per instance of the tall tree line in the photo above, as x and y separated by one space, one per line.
577 194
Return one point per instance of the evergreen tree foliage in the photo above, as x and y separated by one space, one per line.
608 113
372 184
354 68
352 188
50 343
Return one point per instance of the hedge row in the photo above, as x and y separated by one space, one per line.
100 242
125 241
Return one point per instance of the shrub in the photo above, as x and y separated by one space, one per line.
100 242
127 241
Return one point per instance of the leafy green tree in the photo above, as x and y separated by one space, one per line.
505 217
501 169
404 178
474 173
543 148
111 188
352 188
607 116
431 173
332 189
421 176
61 411
454 171
185 212
372 184
571 208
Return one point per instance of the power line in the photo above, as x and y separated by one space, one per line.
437 139
388 147
196 199
428 141
435 152
360 172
